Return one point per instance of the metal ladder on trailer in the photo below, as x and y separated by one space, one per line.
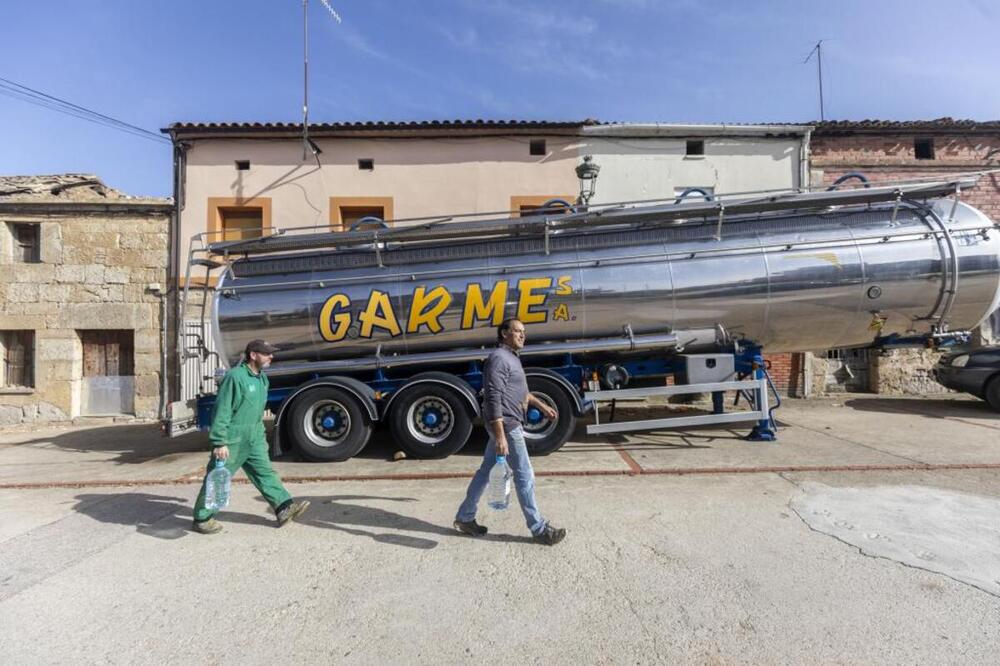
195 354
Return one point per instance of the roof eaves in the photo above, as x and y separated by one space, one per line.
256 129
875 126
694 129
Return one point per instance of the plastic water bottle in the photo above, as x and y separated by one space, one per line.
217 486
499 488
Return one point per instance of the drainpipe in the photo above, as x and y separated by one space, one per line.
170 384
164 364
805 182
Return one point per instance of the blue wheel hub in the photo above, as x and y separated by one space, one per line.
330 422
534 415
431 418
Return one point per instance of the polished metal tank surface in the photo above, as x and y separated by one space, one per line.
789 282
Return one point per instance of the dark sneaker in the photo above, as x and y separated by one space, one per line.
550 536
472 528
210 526
291 512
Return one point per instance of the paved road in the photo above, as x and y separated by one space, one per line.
736 565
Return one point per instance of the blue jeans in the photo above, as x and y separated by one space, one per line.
524 481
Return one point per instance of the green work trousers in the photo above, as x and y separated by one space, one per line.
252 457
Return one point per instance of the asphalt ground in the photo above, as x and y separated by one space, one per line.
869 532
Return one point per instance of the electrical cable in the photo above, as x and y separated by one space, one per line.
26 94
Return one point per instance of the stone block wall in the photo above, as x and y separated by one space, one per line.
96 273
891 372
905 372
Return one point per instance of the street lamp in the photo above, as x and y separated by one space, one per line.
587 173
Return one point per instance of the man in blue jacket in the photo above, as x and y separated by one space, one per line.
505 399
237 437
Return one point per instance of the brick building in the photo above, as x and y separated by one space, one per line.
894 151
82 273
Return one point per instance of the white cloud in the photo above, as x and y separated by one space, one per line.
527 38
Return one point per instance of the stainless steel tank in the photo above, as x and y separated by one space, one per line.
788 281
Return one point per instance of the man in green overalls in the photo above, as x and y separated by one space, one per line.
237 437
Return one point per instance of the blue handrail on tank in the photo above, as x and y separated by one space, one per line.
369 219
694 190
554 205
846 177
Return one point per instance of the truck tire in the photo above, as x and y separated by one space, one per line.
992 393
541 435
328 424
430 421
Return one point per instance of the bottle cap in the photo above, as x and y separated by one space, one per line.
501 459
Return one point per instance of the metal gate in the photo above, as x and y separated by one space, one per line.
847 370
198 371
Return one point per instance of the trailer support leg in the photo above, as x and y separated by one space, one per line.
763 431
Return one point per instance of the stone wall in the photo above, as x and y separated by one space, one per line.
817 370
905 372
98 271
891 372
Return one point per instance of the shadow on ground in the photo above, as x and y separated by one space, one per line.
131 444
341 513
934 408
166 517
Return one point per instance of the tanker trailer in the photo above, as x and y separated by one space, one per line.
392 325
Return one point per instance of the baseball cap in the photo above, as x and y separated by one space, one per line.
260 346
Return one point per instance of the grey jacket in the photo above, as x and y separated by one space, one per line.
505 389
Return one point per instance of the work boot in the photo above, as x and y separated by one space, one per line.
550 536
291 511
210 526
471 527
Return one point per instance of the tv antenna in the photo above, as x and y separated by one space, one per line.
307 143
818 50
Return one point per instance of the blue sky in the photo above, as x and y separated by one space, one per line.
154 63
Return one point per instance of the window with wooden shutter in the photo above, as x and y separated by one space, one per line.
346 211
107 353
27 243
18 359
238 219
350 215
242 223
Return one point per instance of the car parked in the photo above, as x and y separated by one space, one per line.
975 371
